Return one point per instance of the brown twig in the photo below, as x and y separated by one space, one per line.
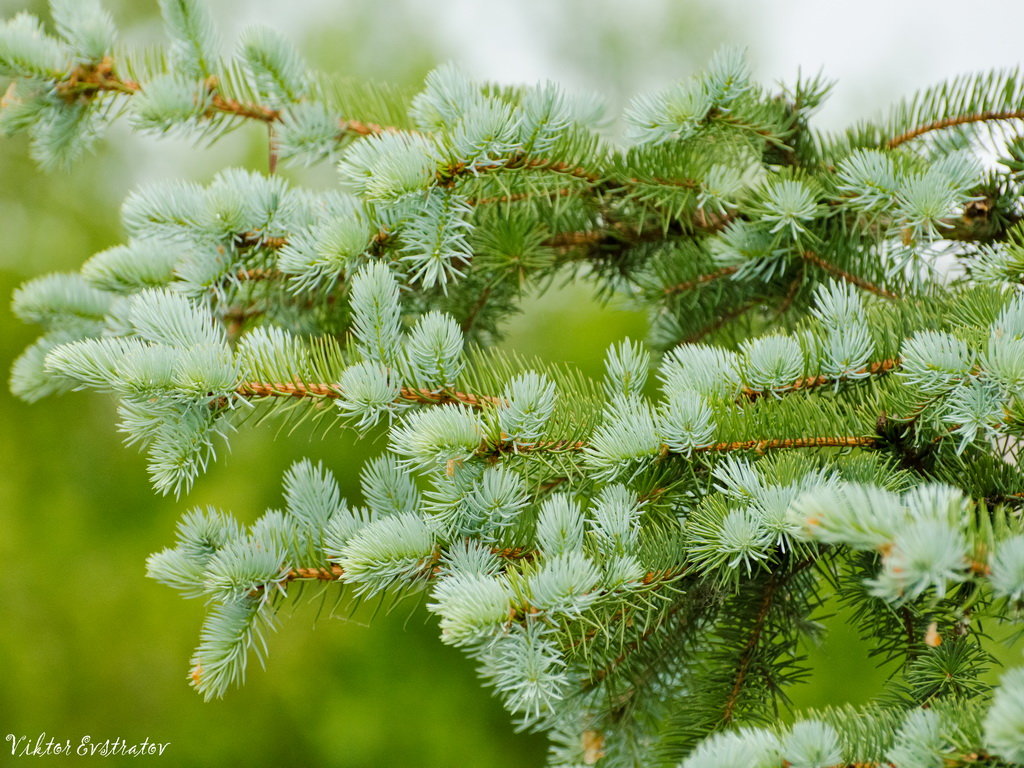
860 282
271 150
650 579
879 368
235 319
86 80
488 449
747 654
495 450
516 197
724 319
368 129
335 572
257 275
662 182
447 176
699 280
467 322
251 111
431 568
761 446
576 239
790 297
325 573
911 633
949 122
632 646
441 396
256 389
712 222
540 163
550 485
776 580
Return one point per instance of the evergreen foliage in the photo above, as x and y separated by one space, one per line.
837 399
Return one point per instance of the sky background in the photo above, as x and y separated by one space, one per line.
877 50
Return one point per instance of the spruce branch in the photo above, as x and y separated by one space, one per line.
516 197
876 368
89 80
447 175
689 285
297 389
832 269
790 297
954 120
337 573
746 656
723 320
759 446
631 570
634 645
763 446
775 581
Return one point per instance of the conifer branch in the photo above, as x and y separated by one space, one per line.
746 656
655 526
776 580
248 110
446 176
88 80
763 446
949 122
516 197
860 282
325 573
335 572
790 297
298 389
759 446
631 647
474 311
723 320
258 274
877 368
688 285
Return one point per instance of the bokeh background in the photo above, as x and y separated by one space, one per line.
89 646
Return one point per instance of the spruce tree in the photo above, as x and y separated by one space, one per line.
826 410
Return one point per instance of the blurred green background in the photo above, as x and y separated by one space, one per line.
90 646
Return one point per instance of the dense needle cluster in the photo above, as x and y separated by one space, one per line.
828 406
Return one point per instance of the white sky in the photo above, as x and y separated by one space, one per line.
877 50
